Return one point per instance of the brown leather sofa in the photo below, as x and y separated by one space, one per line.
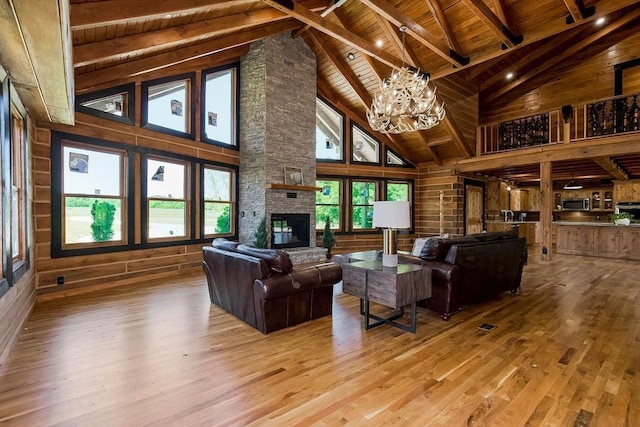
261 287
471 269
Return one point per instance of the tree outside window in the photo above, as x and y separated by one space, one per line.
363 195
328 203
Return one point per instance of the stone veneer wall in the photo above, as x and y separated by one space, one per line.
277 129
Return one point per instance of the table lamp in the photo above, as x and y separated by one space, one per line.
391 216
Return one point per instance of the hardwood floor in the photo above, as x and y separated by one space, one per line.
565 351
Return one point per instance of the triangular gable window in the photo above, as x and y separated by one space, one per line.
393 159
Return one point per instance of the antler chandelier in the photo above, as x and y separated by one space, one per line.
405 102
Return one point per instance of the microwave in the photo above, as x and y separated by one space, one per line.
575 204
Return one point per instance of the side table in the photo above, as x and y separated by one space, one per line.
394 287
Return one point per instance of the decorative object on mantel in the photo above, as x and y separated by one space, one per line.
260 236
328 237
292 175
623 218
405 103
391 216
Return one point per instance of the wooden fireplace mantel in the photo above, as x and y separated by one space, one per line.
275 186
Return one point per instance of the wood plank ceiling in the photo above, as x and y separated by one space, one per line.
465 46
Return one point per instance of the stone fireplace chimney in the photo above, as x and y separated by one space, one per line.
277 129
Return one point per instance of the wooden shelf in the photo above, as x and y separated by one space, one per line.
292 187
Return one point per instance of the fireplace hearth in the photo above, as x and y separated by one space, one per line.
290 231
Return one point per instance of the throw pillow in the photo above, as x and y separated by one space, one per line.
434 249
418 245
225 245
277 260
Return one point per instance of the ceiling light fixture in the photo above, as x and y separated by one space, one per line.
351 56
405 102
509 75
572 185
600 21
379 43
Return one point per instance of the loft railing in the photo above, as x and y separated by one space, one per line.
572 123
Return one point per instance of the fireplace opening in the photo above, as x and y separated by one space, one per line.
290 231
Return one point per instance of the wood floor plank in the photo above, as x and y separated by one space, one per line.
565 351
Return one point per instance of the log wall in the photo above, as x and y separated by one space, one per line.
90 272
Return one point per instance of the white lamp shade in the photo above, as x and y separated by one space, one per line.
391 215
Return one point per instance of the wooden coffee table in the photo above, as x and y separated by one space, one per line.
394 287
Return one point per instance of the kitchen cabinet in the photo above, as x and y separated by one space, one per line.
497 198
626 191
575 240
618 242
528 231
534 199
519 200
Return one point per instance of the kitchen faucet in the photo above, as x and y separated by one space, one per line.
506 215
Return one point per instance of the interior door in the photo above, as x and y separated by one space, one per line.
474 203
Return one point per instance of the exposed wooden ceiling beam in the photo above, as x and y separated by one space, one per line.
561 56
107 12
393 138
502 13
396 40
612 167
499 28
578 11
432 42
458 139
89 80
324 14
301 13
346 72
171 37
554 44
542 31
443 23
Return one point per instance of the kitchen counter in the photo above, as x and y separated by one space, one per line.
593 224
603 239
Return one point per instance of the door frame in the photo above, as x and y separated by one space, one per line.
475 183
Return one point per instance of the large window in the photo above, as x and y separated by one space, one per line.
93 196
329 133
328 203
363 194
167 105
219 92
364 148
219 197
167 199
18 186
14 207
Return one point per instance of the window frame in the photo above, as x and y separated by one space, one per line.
13 268
129 89
343 132
235 69
407 165
123 197
189 108
341 204
352 206
233 192
187 199
410 194
376 140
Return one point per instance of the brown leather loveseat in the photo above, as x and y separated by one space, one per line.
471 269
260 286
